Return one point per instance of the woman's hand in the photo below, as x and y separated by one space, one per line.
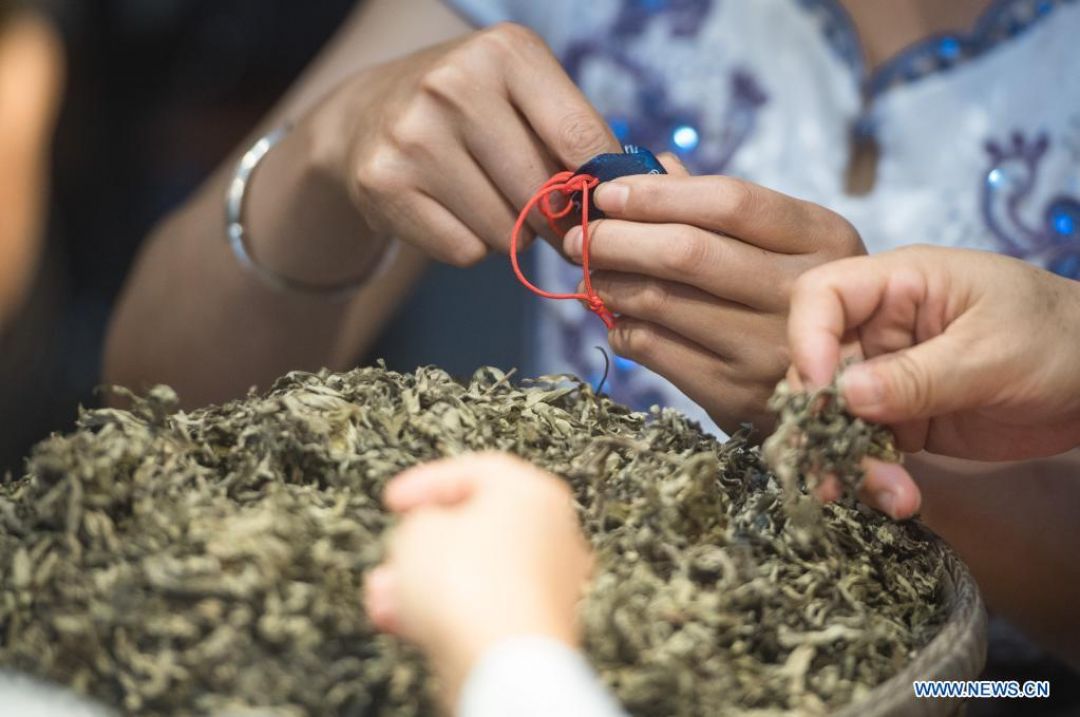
488 548
443 147
969 354
700 270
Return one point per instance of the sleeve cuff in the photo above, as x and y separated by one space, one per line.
532 676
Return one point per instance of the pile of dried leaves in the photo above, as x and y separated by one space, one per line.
170 563
816 437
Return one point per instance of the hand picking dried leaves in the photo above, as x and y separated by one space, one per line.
176 563
816 437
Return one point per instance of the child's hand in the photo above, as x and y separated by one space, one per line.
970 354
488 548
700 270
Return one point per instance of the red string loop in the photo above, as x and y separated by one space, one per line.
565 184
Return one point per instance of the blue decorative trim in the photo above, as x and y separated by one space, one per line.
839 30
1002 21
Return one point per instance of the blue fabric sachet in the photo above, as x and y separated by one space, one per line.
605 167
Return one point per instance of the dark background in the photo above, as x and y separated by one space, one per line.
158 92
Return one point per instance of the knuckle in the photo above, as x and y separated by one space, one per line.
909 385
843 238
653 298
409 134
738 198
464 254
378 174
687 252
583 134
448 81
507 39
634 341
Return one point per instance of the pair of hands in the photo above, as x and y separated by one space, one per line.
443 147
965 353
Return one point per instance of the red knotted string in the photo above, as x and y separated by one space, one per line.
564 183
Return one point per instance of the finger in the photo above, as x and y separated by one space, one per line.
426 224
723 327
829 489
888 487
900 315
512 156
470 195
443 483
911 436
719 265
826 303
768 219
571 128
934 378
673 165
705 378
380 599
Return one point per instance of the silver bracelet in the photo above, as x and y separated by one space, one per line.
234 219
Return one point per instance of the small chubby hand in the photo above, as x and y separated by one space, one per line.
488 548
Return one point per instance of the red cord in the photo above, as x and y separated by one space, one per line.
565 183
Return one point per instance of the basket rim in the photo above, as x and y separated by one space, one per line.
956 652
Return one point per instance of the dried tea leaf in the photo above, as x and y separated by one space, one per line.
816 437
171 563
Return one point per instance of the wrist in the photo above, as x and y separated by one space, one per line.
299 220
456 652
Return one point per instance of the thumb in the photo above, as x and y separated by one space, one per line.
927 380
380 599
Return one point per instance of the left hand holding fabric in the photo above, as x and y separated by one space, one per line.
700 271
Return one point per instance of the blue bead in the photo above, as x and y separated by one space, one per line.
996 177
948 48
624 364
653 5
1044 7
685 138
1063 223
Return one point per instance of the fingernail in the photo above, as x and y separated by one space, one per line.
861 387
887 501
612 196
572 242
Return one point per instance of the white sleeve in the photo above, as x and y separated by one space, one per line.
535 677
27 697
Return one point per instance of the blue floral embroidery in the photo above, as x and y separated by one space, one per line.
658 122
1010 180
